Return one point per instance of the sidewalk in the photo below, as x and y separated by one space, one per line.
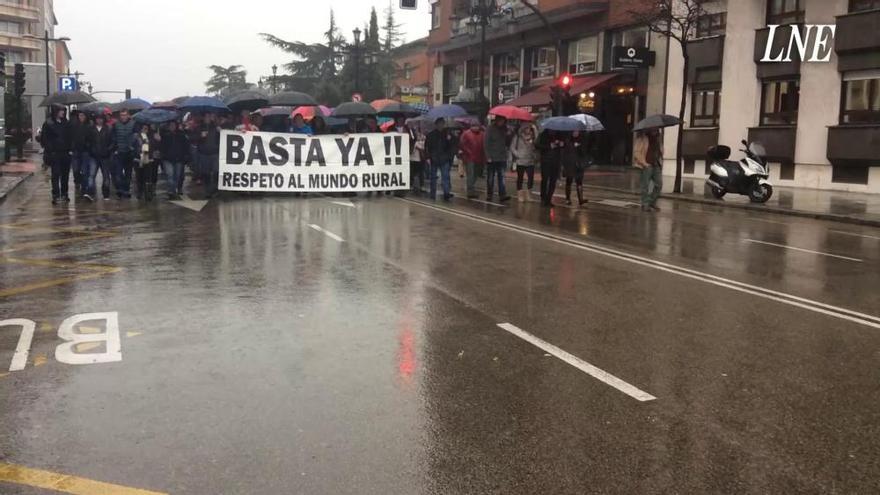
13 174
855 208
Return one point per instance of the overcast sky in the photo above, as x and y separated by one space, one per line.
161 48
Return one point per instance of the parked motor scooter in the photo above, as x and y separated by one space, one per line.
747 176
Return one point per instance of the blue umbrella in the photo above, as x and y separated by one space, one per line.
564 124
422 108
155 116
204 104
449 111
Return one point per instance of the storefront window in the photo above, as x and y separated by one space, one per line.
543 62
783 12
584 55
508 68
861 99
780 102
453 79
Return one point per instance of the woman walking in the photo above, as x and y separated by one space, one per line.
574 162
550 144
525 157
147 149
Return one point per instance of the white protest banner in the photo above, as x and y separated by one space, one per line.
273 162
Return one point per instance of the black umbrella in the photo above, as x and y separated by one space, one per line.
95 108
657 121
353 109
276 111
397 109
180 99
246 100
292 99
131 105
66 98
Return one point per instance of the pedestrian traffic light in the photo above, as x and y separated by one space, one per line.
19 80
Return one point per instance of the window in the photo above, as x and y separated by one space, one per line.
863 5
543 62
407 71
584 55
10 27
779 102
453 79
508 68
785 11
705 103
435 15
473 73
14 58
861 98
711 24
637 37
849 174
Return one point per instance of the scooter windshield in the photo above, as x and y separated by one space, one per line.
758 149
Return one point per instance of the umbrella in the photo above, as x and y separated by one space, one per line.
467 120
353 109
155 116
512 113
394 109
563 124
292 99
309 113
592 123
246 100
276 111
204 104
448 111
422 108
387 126
380 104
164 105
95 108
66 98
180 99
656 121
131 105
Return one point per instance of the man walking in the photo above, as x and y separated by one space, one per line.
102 139
648 156
81 160
209 154
122 144
440 147
472 152
57 144
174 149
496 146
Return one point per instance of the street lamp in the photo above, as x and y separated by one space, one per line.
357 59
274 79
46 39
481 15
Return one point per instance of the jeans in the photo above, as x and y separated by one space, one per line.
81 164
651 174
173 174
60 163
122 173
443 167
549 176
525 170
496 169
209 166
91 185
471 171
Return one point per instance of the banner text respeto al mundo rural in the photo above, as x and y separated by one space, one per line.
271 162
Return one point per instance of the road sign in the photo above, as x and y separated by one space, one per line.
67 84
357 98
630 57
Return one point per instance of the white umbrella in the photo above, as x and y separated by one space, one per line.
592 123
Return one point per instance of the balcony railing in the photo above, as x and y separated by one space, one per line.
15 12
854 143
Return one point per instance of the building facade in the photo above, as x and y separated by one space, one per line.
413 81
524 58
818 121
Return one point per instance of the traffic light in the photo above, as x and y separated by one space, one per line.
565 82
19 79
560 97
127 94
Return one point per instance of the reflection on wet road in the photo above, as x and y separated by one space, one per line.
383 345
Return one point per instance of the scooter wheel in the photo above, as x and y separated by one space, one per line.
718 193
760 193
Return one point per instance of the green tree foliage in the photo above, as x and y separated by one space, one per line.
227 79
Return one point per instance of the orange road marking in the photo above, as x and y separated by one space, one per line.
64 483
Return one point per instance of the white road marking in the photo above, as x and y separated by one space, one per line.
66 353
341 203
617 203
855 234
190 204
327 233
782 297
19 358
597 373
486 202
804 250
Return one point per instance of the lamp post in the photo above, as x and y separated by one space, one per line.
357 59
46 39
274 79
481 14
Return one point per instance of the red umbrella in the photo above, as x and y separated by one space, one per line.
379 104
309 113
511 112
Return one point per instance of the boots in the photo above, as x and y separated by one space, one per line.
568 194
580 191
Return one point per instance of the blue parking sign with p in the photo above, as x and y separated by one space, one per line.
67 84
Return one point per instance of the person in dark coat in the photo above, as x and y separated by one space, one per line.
440 147
209 153
575 159
57 142
81 160
102 141
174 148
148 159
124 153
550 145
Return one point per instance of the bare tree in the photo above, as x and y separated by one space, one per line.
676 20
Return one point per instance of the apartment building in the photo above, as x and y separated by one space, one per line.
819 121
412 83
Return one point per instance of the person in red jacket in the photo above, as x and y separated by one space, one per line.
472 152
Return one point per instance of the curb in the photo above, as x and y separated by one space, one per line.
4 192
765 209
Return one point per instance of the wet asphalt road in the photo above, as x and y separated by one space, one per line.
331 345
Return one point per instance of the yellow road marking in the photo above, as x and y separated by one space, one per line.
21 289
133 334
88 346
46 326
40 359
85 329
57 242
64 483
3 375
